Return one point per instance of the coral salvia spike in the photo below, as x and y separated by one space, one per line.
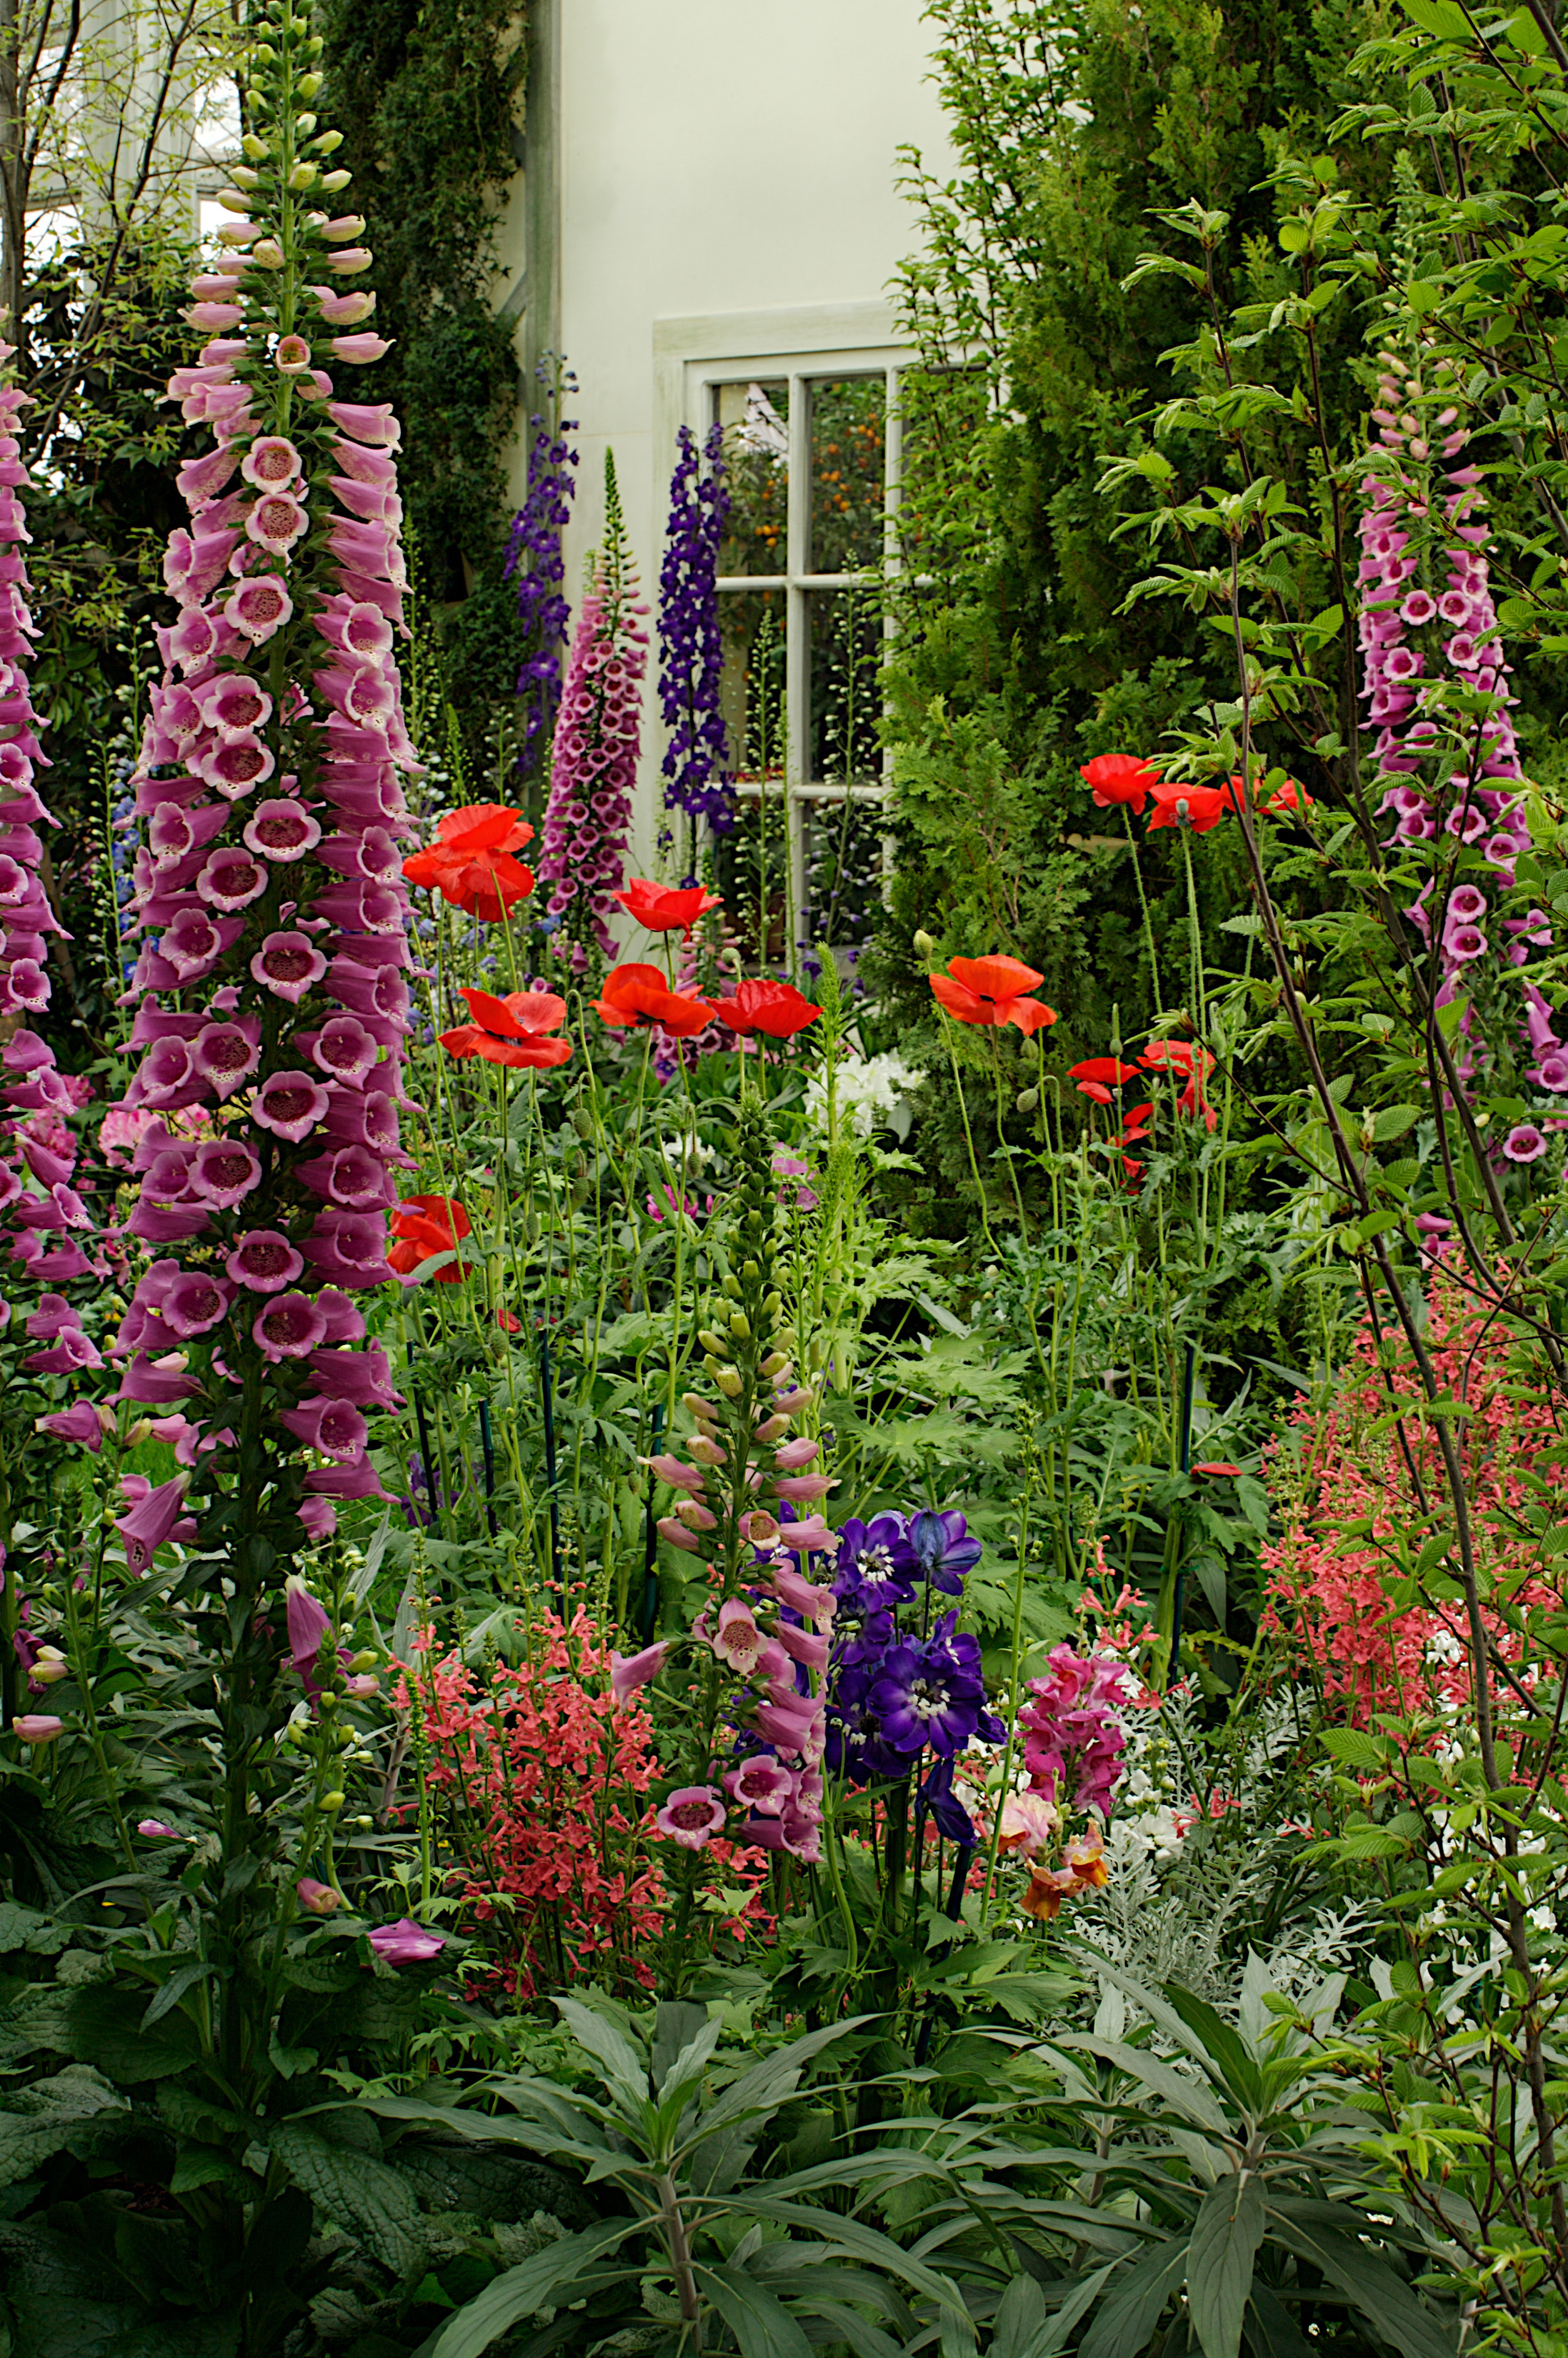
275 1007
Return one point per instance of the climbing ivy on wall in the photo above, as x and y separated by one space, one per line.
429 96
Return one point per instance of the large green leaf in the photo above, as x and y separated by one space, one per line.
767 2084
1021 2312
1220 2259
761 2324
40 2118
568 2270
861 2243
1226 2048
1185 2095
355 2191
1271 2332
625 2070
1134 2300
1369 2283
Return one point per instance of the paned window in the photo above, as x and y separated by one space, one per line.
812 443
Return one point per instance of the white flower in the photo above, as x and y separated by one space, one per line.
871 1091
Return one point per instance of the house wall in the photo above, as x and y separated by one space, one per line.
699 159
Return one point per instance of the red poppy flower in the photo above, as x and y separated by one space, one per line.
1201 807
1216 1465
761 1004
1192 1100
425 1226
1095 1089
662 909
471 863
1109 1071
991 991
510 1030
638 996
1175 1057
1120 778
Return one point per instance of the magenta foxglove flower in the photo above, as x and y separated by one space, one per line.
692 1816
593 769
630 1672
406 1942
37 1727
268 892
153 1519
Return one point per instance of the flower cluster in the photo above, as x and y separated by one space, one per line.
1435 687
761 1710
593 767
1126 782
1073 1736
534 560
272 915
691 649
906 1690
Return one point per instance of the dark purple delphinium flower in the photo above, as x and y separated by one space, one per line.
534 558
691 649
856 1748
944 1551
947 1813
877 1562
932 1694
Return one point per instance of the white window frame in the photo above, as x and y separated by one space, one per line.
692 359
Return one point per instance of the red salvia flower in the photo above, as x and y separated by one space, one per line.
992 990
427 1225
661 908
510 1030
1120 778
470 862
761 1004
635 997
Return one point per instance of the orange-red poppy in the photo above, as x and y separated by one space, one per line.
1289 801
425 1226
1201 807
1120 778
1216 1465
638 996
470 862
663 908
763 1004
992 990
510 1030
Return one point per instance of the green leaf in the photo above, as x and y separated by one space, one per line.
570 2269
1354 1747
624 2071
1134 2302
362 2195
767 2084
761 2324
40 2118
1370 2284
1021 2312
1188 2097
1220 2258
1227 2047
183 1977
1271 2330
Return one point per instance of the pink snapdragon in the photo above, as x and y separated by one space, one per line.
1074 1736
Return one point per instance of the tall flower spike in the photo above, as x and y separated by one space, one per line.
594 764
534 560
268 884
691 649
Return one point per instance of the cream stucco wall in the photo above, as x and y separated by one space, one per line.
711 156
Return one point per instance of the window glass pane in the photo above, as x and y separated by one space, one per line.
844 691
751 864
751 689
942 415
849 426
844 862
755 418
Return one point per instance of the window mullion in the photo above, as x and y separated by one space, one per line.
797 652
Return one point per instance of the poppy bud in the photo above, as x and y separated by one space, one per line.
1027 1100
923 945
583 1123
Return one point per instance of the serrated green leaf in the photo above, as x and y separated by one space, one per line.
359 2194
1221 2255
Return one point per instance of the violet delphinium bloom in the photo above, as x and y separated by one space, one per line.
272 916
943 1550
691 647
932 1696
879 1561
534 560
593 767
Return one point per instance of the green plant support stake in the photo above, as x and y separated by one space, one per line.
487 1445
1179 1599
430 1482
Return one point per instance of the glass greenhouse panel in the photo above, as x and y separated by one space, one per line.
755 419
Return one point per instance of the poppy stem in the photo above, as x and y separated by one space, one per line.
650 1611
549 1406
1144 904
1179 1596
969 1133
